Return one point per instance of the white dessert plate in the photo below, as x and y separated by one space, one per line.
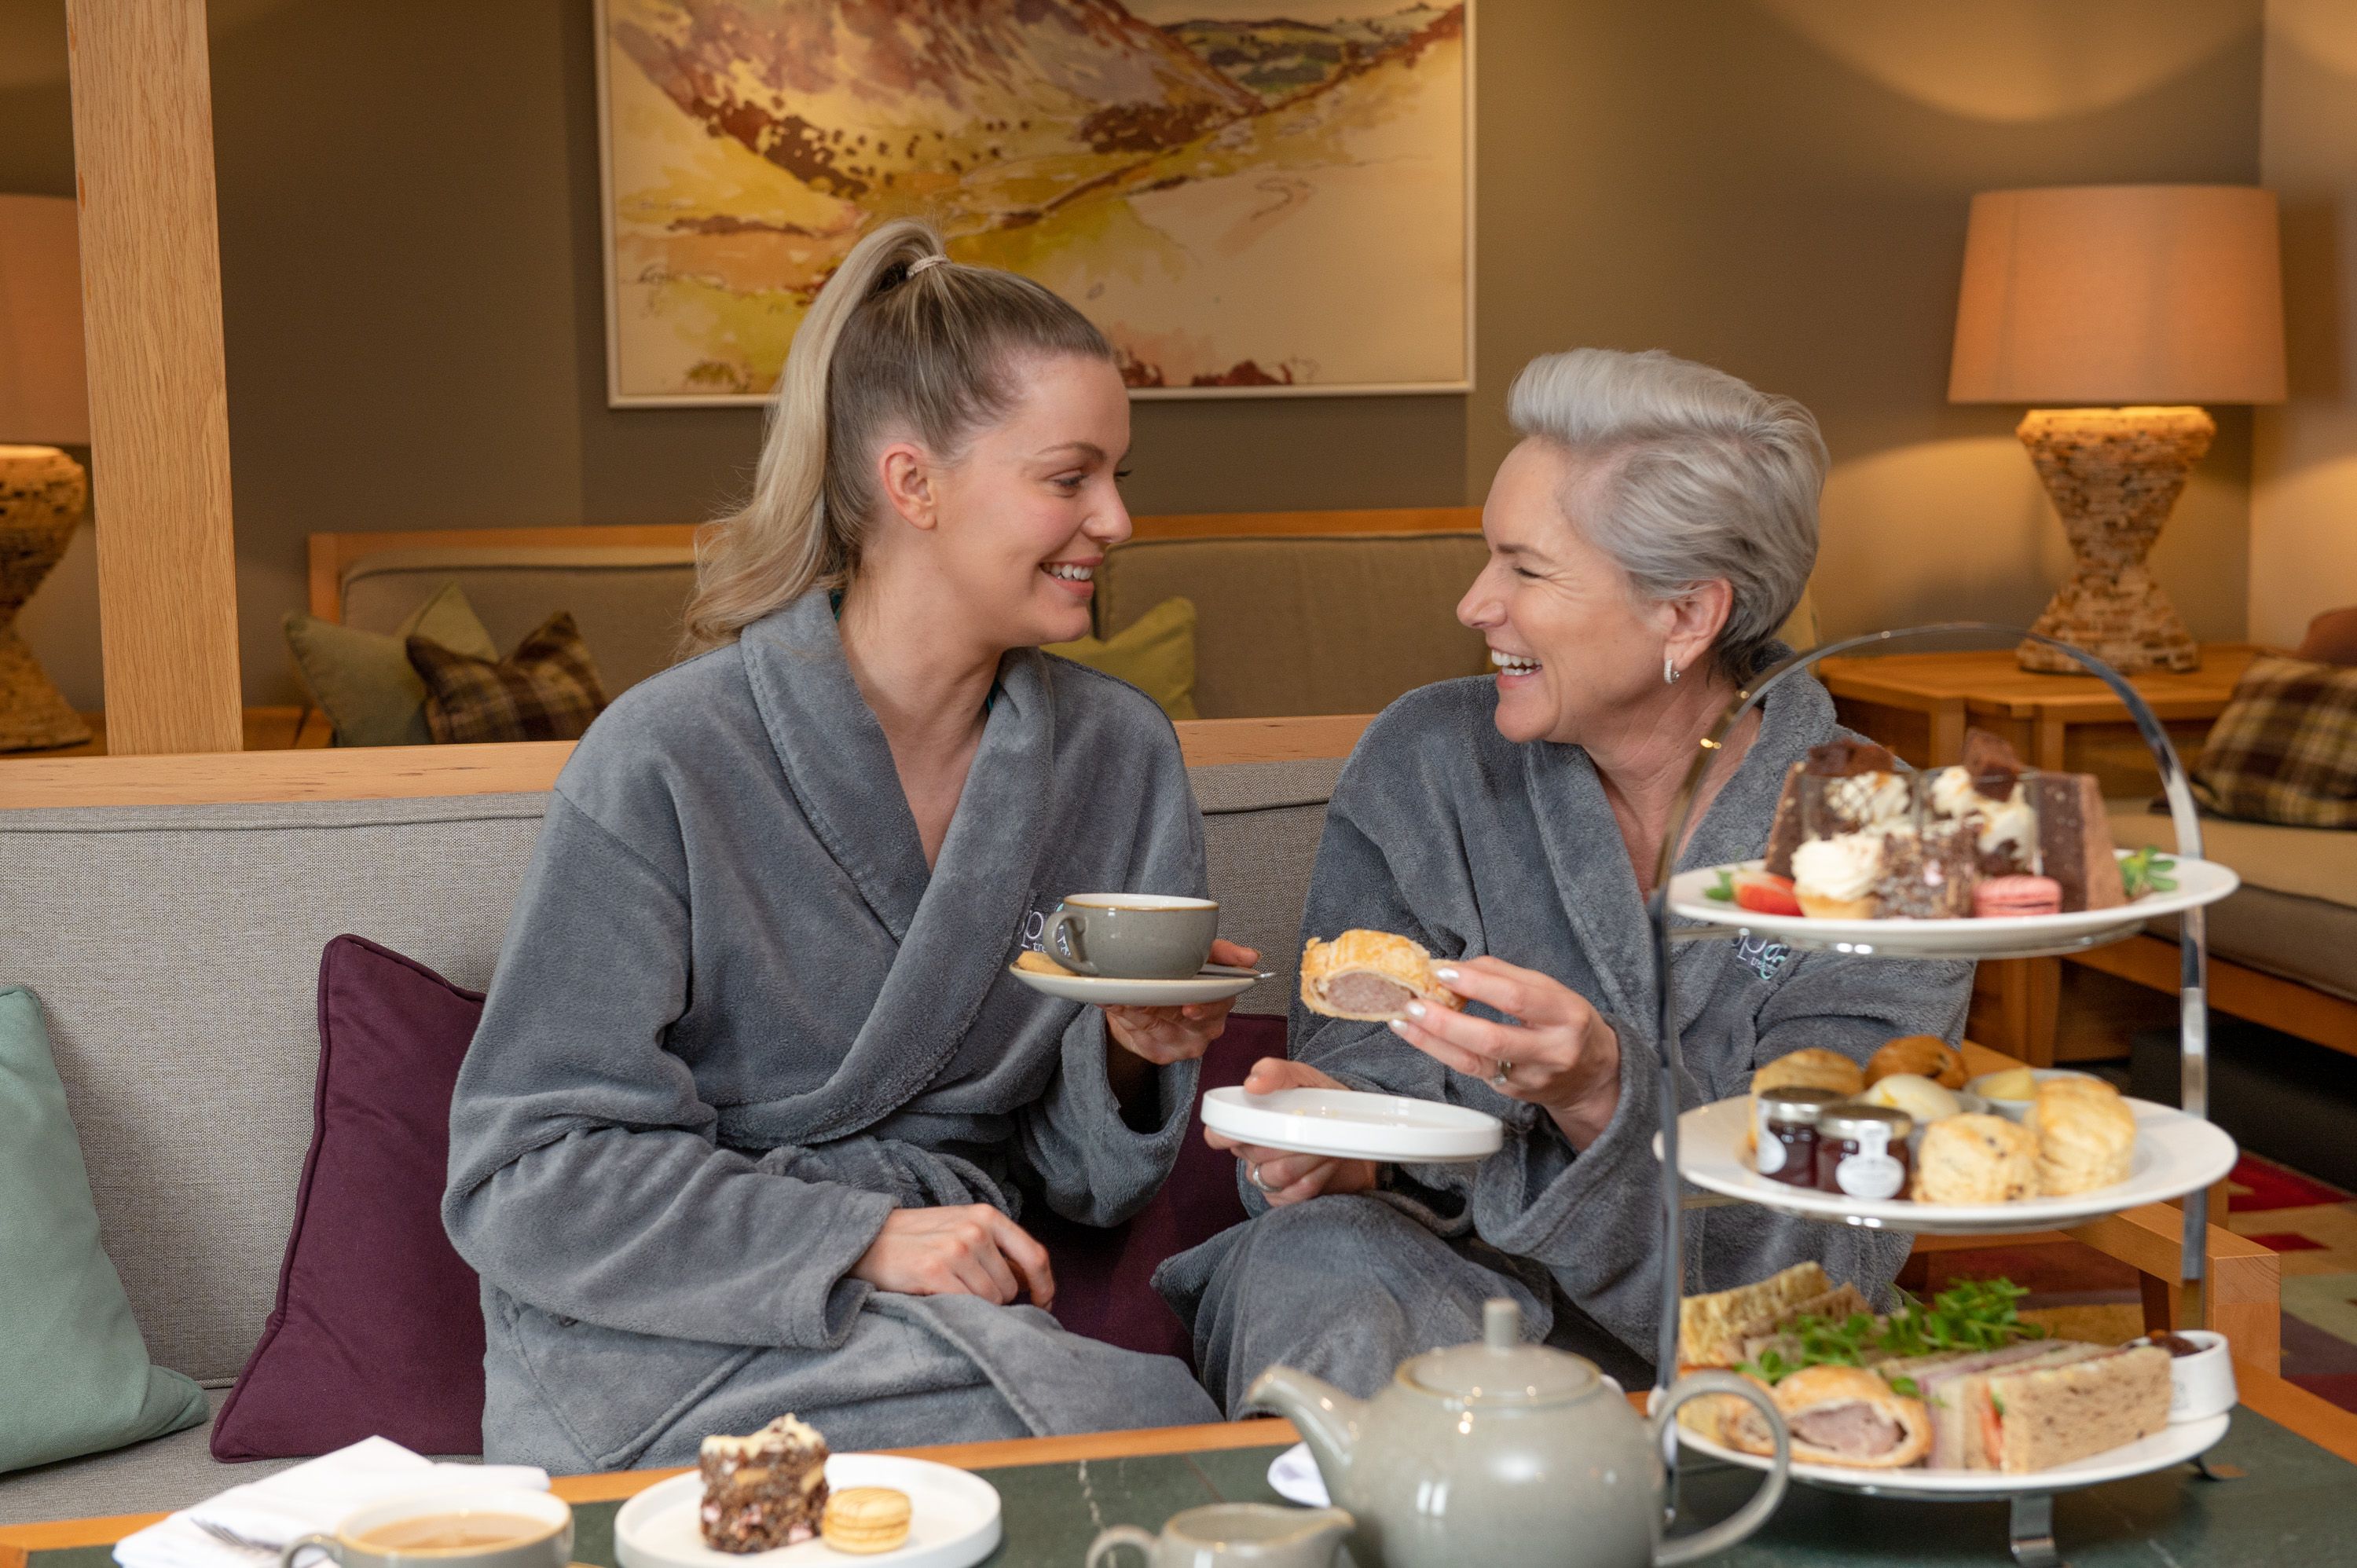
2199 882
2176 1444
1350 1125
1104 992
2175 1154
952 1519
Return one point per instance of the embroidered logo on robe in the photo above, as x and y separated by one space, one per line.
1762 958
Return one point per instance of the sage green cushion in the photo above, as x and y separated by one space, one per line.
75 1371
362 680
1155 653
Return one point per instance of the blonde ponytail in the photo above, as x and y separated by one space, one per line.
899 336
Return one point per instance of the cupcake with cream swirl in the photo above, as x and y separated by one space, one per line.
1835 878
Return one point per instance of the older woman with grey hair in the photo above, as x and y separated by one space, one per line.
1648 537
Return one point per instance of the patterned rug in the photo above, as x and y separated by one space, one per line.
2080 1293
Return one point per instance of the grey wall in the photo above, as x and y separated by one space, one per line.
413 296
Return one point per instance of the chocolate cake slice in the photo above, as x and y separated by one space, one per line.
1843 758
764 1491
2075 840
1927 876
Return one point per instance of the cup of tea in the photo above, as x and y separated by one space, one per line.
493 1528
1132 936
1233 1535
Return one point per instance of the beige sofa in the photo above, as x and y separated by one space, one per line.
1330 619
174 950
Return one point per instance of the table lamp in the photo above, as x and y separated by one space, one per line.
2159 297
42 490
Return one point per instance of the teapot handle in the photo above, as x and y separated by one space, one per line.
1753 1514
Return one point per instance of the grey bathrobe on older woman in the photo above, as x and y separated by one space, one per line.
1442 830
738 1021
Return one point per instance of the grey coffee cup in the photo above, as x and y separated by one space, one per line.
1233 1535
1132 936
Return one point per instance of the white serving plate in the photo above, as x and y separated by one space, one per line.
2175 1154
2199 882
1108 992
1351 1125
952 1519
2176 1444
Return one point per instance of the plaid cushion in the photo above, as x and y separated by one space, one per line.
546 690
2286 748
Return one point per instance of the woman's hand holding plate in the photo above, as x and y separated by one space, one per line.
1282 1175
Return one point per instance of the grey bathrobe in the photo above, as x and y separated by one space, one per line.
1443 831
738 1021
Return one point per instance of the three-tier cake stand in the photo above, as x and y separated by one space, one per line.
2180 1153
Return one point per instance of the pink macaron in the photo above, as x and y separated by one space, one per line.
2017 895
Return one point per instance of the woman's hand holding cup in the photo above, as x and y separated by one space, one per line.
1282 1175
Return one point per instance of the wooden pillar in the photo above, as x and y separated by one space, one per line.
159 394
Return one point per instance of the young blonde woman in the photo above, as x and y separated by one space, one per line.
754 1109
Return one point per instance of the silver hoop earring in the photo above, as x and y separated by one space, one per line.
1669 671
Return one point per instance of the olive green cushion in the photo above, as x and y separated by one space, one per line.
1155 653
362 680
74 1370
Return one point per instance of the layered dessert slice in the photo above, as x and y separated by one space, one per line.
763 1491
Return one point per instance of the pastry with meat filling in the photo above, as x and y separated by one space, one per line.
1370 975
1837 1415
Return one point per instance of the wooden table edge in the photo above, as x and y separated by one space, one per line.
2286 1404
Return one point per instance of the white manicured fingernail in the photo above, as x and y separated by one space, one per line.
1399 1025
1446 974
1415 1009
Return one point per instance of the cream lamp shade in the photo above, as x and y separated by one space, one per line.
2120 293
41 395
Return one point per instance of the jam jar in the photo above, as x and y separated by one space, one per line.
1787 1126
1862 1151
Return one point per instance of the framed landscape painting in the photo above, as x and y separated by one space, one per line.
1251 198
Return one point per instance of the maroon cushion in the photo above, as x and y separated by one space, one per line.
378 1327
1102 1276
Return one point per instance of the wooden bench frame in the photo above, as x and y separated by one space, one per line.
332 554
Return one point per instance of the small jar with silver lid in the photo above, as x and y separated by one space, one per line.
1787 1128
1862 1151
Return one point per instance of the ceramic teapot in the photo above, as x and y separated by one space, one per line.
1506 1454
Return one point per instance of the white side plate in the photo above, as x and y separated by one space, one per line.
1350 1125
2176 1444
954 1520
2199 882
2175 1154
1105 992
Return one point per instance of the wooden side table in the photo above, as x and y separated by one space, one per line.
1919 704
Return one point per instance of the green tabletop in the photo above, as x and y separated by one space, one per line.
2292 1505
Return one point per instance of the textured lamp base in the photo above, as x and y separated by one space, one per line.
42 492
2114 474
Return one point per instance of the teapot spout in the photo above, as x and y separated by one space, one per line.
1326 1418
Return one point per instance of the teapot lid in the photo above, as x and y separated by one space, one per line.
1500 1368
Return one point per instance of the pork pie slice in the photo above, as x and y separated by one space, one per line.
1370 975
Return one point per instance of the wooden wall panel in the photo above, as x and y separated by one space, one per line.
158 395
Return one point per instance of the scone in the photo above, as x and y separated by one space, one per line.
1370 975
2085 1134
1977 1159
1813 1068
1836 1415
1926 1056
865 1520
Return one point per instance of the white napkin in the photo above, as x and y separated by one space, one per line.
312 1496
1293 1476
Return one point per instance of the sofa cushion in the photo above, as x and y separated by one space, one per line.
546 690
76 1375
2296 912
1155 653
625 599
1336 623
378 1330
362 680
2284 749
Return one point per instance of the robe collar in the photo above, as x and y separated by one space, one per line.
953 924
1589 861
